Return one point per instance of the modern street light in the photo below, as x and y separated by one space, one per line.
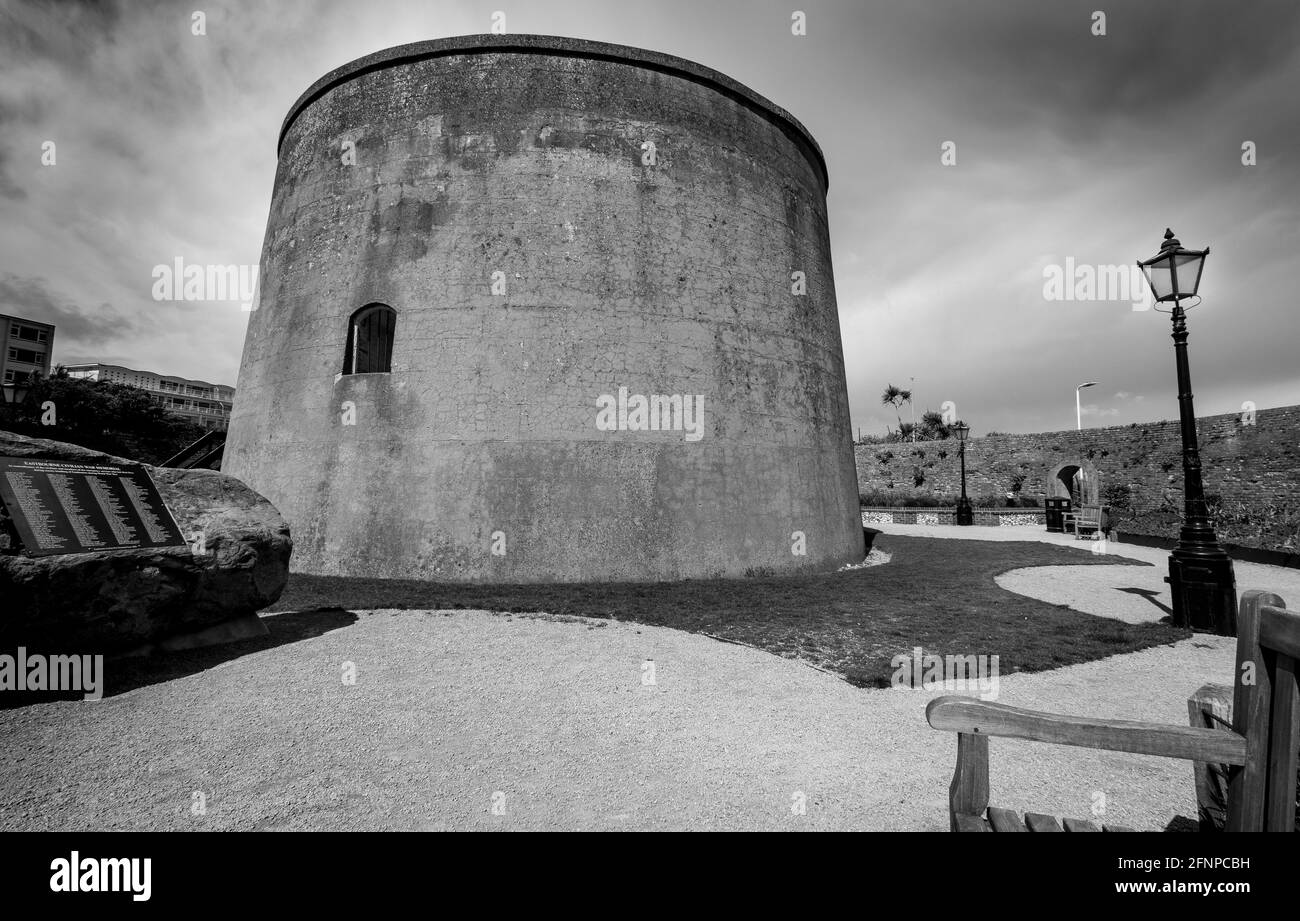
1078 406
1201 576
964 513
911 404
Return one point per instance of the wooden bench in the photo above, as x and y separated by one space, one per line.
1260 749
1211 707
1087 518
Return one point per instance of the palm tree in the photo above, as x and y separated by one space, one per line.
896 397
933 428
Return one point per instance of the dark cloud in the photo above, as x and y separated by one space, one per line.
8 187
1157 58
29 297
1070 145
64 30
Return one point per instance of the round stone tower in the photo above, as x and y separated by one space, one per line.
540 309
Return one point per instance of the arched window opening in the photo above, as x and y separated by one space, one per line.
370 340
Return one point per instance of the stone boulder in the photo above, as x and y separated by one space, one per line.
119 600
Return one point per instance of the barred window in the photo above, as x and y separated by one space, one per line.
370 340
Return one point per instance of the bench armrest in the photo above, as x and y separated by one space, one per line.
977 717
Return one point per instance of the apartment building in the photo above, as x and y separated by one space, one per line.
199 401
27 348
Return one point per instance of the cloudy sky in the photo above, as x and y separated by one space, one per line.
1069 145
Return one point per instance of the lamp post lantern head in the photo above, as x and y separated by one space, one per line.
1174 273
961 428
16 393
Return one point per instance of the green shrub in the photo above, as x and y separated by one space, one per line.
929 500
1118 496
883 499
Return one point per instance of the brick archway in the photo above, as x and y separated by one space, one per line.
1060 482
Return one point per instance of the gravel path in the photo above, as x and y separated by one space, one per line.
1135 594
450 709
550 719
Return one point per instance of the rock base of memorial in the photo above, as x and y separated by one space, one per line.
231 631
115 601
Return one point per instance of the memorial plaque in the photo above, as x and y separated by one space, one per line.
69 507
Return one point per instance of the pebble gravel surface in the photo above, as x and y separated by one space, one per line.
473 720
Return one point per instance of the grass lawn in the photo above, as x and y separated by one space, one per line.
936 594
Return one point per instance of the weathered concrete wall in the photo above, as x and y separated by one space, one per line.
1251 464
524 155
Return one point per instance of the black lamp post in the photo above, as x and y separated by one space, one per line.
964 513
1201 577
16 393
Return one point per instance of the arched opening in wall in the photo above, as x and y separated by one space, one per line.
370 340
1075 480
1069 479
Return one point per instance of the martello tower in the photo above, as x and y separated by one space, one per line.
535 309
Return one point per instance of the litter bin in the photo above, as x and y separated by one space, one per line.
1055 508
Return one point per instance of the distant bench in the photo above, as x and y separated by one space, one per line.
1084 520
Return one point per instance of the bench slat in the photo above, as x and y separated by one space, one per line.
1279 629
971 823
1036 821
980 718
1005 820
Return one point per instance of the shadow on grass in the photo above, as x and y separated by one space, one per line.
128 673
937 594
